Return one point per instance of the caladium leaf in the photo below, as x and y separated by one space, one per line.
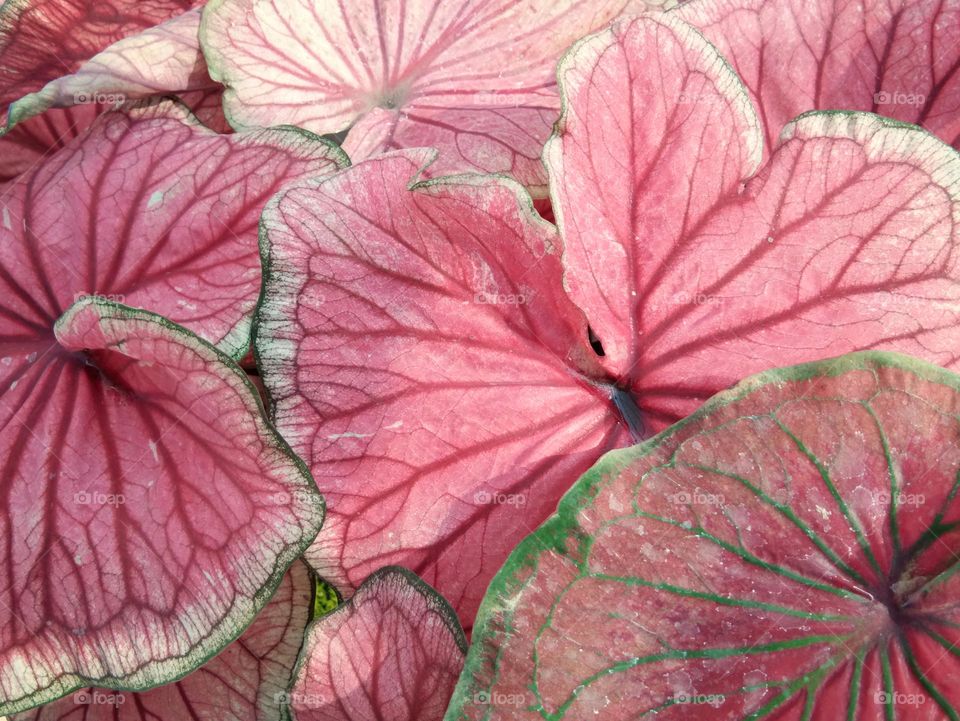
160 60
845 240
392 653
155 210
27 144
475 80
247 681
899 58
787 552
421 341
132 556
430 368
41 40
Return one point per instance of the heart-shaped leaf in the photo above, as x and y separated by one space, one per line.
474 79
41 40
154 210
787 552
149 510
247 681
421 341
392 653
899 58
846 239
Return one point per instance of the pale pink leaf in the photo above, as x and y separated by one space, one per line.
474 79
164 59
41 40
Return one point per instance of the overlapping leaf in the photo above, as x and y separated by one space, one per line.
152 209
41 40
245 682
160 60
423 356
899 58
847 238
149 510
392 653
474 79
31 141
787 552
421 341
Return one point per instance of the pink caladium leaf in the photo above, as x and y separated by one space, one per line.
29 142
442 373
41 40
694 269
149 509
26 145
787 552
475 80
164 59
424 356
392 653
152 209
899 58
247 681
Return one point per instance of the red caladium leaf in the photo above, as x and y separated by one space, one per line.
41 40
788 552
247 681
424 358
475 80
899 58
392 653
155 210
149 510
